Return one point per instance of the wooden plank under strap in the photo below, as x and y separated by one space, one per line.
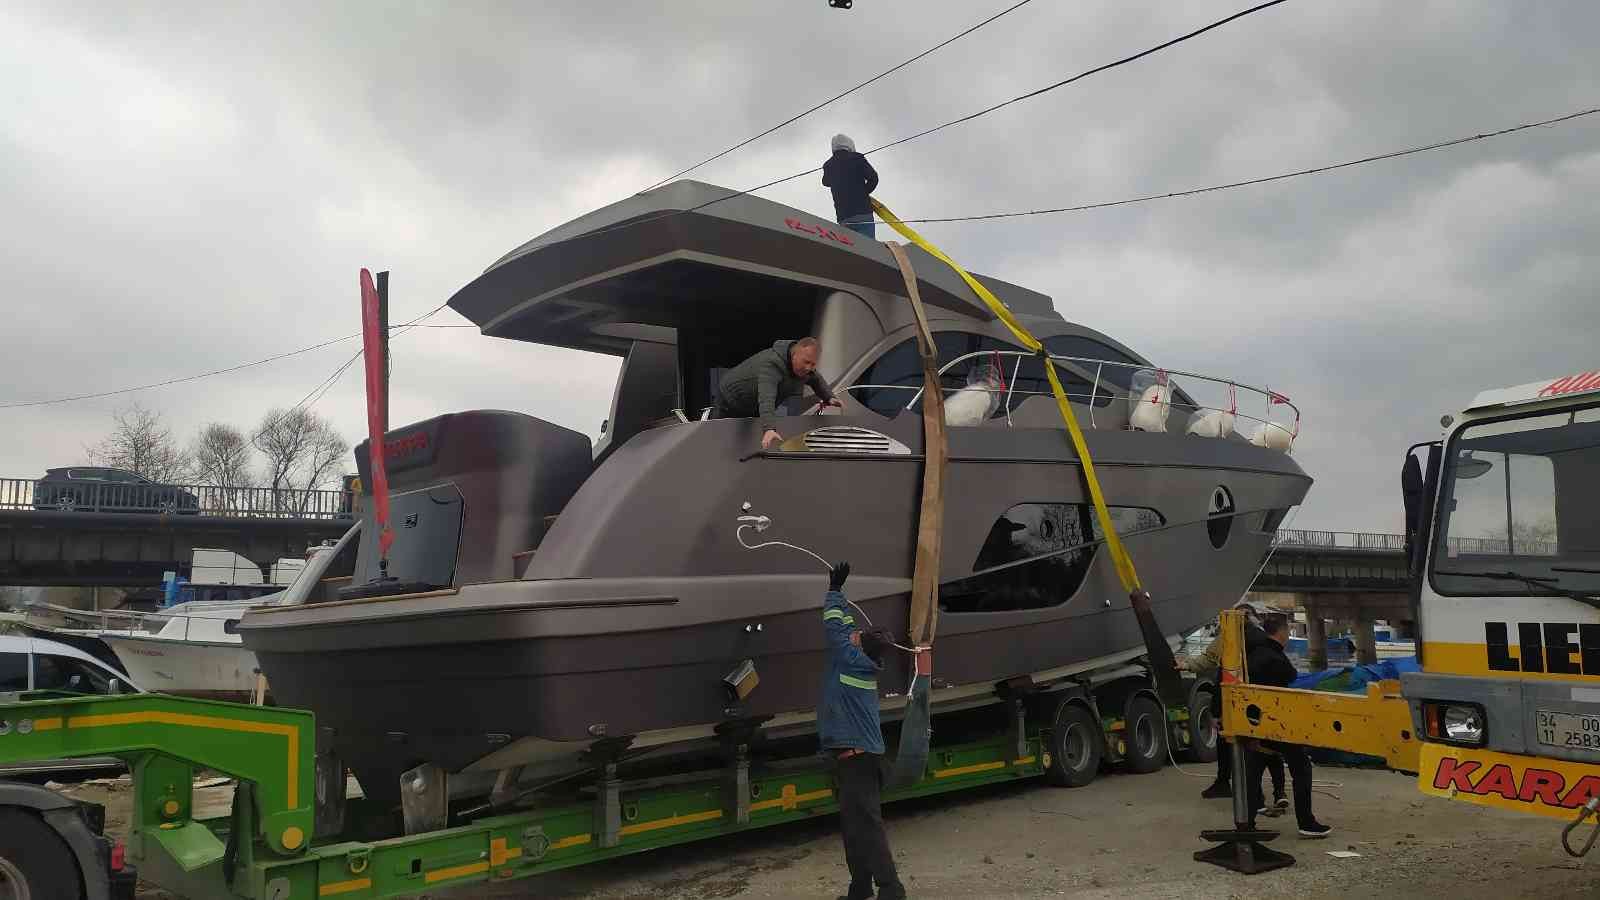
930 522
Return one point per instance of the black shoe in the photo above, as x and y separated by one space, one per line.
1217 791
896 891
1315 830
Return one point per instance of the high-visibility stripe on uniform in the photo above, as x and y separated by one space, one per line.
833 614
866 684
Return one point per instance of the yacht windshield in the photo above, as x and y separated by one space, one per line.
1517 512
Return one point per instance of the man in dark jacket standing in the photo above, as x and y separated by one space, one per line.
1266 663
852 737
757 386
852 180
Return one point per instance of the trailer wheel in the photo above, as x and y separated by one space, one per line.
35 864
1145 733
1204 729
1073 747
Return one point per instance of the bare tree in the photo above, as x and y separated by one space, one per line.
141 442
221 457
302 450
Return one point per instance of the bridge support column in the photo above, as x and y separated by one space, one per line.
1316 637
1366 642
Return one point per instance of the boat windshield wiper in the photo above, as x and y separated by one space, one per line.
1534 581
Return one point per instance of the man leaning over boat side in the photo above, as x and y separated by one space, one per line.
762 383
851 736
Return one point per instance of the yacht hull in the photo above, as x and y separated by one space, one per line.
572 654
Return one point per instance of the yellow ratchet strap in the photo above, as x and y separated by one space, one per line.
1119 553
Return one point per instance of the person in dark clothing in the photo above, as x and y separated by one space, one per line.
1267 664
1208 665
852 180
757 386
851 736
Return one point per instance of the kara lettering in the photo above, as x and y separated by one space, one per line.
1542 785
1544 647
822 232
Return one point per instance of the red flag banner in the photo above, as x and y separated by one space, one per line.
1274 398
377 407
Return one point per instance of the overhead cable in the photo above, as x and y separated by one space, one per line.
224 371
793 119
1453 142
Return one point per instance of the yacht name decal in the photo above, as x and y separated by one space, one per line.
825 233
401 446
1572 384
1544 647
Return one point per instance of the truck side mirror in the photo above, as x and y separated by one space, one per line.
116 686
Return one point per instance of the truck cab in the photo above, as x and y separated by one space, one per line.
1503 542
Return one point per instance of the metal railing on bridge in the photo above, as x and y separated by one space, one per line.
1372 540
84 495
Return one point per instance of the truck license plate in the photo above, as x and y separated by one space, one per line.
1578 732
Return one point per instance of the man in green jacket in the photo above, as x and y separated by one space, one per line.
759 385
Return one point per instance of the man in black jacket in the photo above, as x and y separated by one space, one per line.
1266 663
852 180
762 383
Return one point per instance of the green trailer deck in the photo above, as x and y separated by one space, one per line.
269 848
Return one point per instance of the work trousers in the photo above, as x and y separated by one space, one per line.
863 225
1294 756
859 780
1274 764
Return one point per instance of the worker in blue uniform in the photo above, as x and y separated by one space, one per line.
852 737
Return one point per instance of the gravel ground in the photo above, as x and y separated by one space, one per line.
1122 836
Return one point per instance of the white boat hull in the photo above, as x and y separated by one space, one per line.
187 668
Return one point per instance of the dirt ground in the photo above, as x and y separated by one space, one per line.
1122 836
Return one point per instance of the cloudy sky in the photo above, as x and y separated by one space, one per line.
189 186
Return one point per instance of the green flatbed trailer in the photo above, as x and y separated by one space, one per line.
286 837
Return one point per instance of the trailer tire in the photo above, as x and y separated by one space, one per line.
1145 732
1204 727
35 858
1074 746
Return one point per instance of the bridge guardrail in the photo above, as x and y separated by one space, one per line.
174 499
1373 540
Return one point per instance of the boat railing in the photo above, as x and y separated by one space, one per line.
1102 388
115 620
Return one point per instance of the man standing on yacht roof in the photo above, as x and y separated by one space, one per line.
760 384
851 736
852 180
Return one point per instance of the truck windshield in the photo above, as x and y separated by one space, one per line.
1517 500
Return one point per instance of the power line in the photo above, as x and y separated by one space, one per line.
1453 142
793 119
196 377
666 214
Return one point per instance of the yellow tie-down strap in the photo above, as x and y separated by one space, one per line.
1119 553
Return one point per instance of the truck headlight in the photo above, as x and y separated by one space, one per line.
1455 723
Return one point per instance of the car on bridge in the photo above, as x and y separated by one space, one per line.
104 489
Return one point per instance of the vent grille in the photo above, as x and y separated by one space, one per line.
850 439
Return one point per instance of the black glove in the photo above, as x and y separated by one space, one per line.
837 575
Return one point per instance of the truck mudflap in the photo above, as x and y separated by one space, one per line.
1548 787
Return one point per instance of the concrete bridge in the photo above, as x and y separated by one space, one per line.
128 534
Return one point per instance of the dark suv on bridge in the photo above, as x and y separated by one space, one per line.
101 489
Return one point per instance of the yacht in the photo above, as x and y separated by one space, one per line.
547 597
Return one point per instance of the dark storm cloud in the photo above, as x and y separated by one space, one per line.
188 186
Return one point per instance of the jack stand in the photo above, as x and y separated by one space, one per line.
736 785
1017 733
1240 848
425 799
608 807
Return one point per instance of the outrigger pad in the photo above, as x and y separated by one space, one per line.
1242 851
